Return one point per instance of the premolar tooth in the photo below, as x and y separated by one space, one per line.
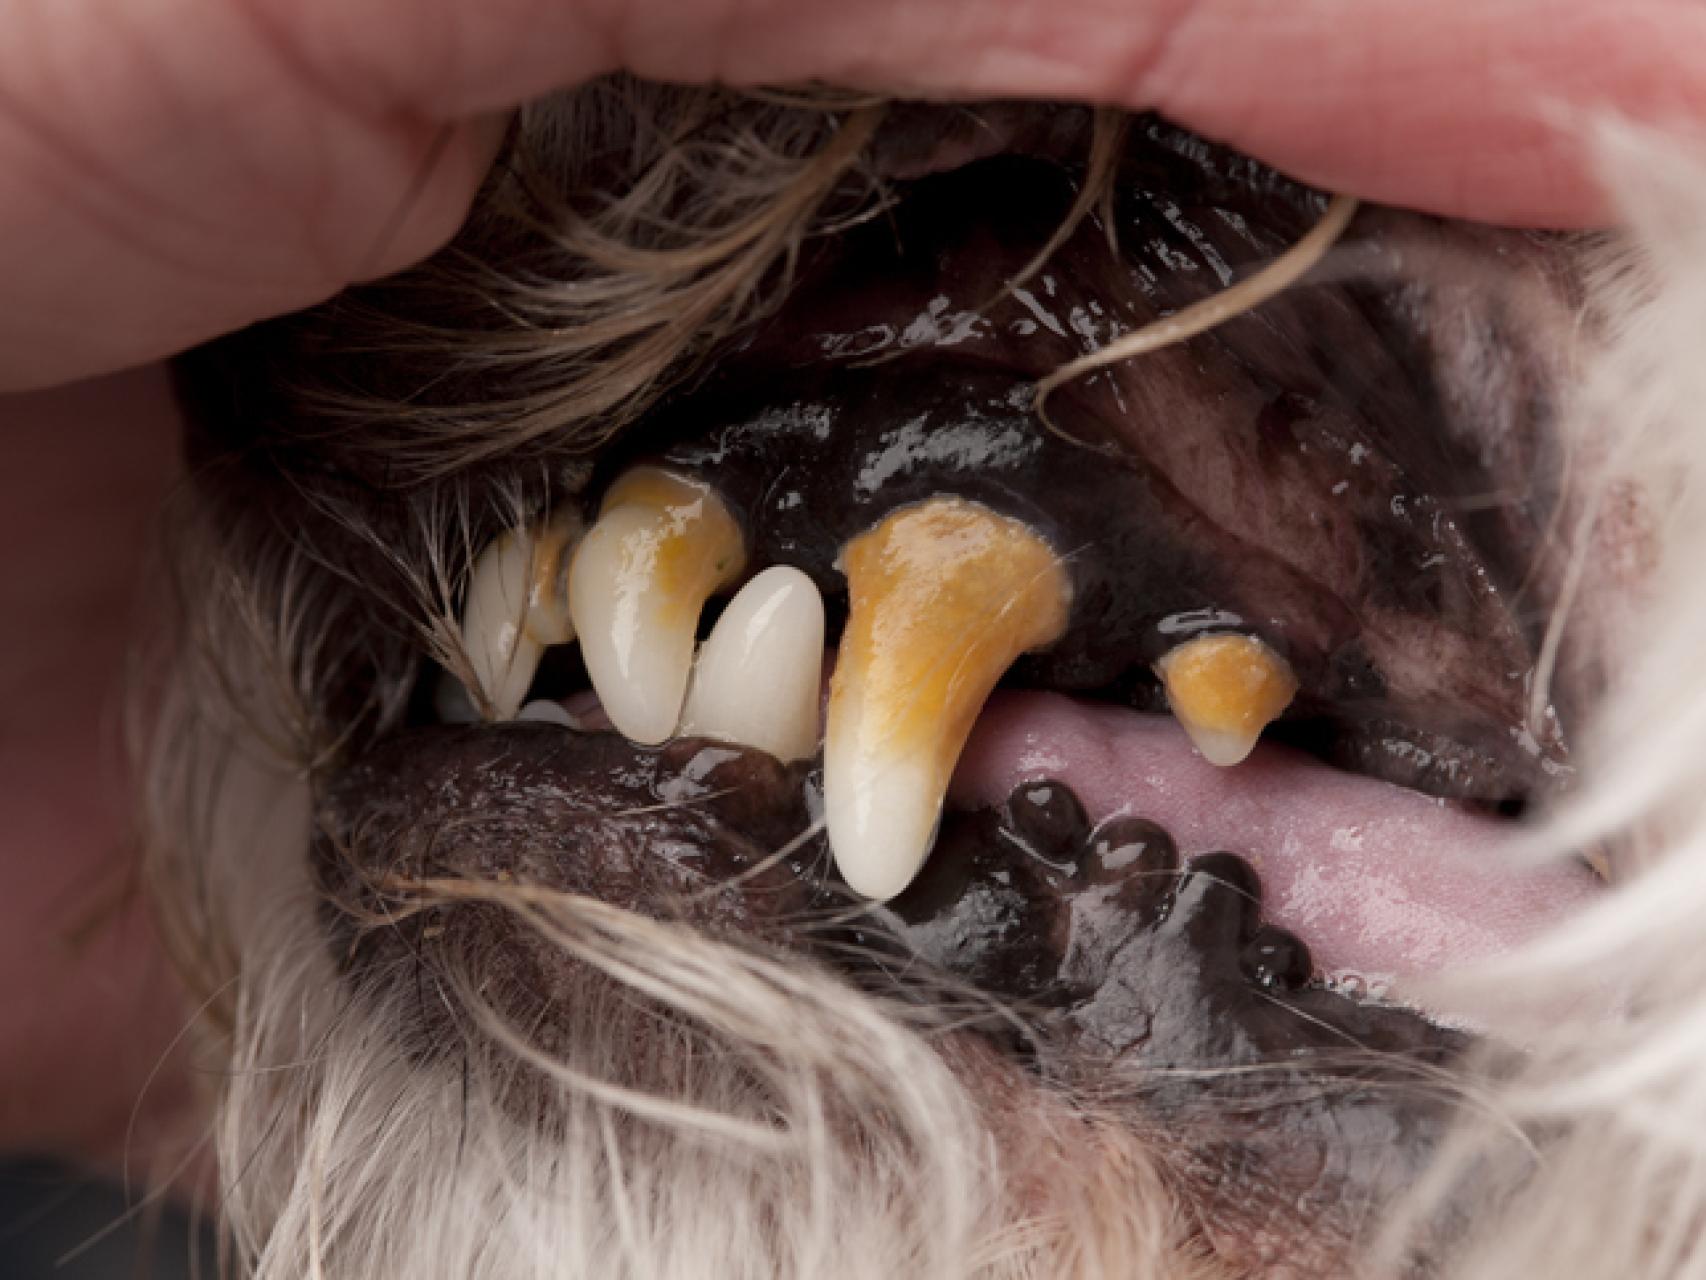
758 680
942 597
661 546
516 605
1225 690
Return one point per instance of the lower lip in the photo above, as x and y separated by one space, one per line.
1382 883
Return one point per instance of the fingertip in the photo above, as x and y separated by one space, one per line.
451 164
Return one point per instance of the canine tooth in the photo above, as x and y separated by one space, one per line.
942 597
759 677
1225 690
516 606
661 546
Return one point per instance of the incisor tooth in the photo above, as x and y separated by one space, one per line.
517 604
1225 690
758 680
548 621
545 711
942 597
661 546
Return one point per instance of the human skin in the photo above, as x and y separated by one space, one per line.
88 1008
176 168
173 169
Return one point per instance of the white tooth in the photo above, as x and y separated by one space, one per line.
759 677
881 811
516 606
543 709
639 580
503 655
942 597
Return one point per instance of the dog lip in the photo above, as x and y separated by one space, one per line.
724 838
1139 983
1385 885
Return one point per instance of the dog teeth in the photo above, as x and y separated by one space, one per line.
517 605
548 712
758 680
942 597
548 620
1225 690
661 546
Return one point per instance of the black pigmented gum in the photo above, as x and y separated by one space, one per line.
1032 904
1278 476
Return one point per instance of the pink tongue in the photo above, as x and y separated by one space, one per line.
1379 881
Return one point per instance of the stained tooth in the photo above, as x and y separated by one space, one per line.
942 597
1225 690
759 677
661 546
548 621
516 606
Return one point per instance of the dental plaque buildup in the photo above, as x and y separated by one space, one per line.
1224 690
663 544
942 597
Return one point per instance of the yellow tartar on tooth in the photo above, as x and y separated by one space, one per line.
548 620
1225 689
943 596
692 548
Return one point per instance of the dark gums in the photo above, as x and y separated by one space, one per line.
1277 476
1112 930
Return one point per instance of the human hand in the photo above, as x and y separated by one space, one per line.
175 169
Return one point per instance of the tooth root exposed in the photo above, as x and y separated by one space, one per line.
758 680
660 547
1225 690
516 605
942 597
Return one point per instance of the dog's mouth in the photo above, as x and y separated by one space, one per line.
1164 726
1274 533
